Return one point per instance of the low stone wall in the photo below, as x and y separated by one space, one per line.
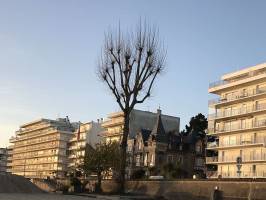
193 190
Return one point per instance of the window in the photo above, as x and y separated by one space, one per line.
198 148
170 159
138 160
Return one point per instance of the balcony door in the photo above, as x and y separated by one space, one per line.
243 123
244 108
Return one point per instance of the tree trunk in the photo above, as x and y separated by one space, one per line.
99 183
124 151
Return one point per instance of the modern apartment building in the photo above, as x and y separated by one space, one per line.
138 120
86 133
39 148
3 160
9 158
237 120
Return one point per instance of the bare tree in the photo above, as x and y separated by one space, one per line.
129 65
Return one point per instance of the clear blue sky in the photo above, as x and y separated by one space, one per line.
48 52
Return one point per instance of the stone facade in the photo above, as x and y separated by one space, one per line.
153 149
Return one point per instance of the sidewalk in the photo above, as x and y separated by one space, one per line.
118 197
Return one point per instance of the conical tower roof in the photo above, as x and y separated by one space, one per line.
158 128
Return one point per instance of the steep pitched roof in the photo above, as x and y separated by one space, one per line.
158 128
145 134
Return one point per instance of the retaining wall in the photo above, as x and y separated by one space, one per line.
193 190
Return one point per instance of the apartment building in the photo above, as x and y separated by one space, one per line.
3 160
138 120
86 133
9 150
39 148
237 122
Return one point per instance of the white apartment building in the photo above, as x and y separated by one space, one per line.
238 121
85 134
39 148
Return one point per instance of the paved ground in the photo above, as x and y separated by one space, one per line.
20 196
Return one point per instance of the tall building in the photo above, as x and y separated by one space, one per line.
3 160
9 158
237 122
138 120
86 133
39 148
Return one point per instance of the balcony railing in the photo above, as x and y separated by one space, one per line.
244 76
245 158
212 159
239 111
242 95
212 144
238 142
239 127
244 174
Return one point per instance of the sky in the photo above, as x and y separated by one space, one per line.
49 50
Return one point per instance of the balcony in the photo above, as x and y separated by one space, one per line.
234 98
238 143
245 158
212 160
211 145
244 174
243 78
254 125
238 112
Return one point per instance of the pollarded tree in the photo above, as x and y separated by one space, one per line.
129 65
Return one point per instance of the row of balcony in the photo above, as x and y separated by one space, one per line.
37 155
238 142
232 159
241 95
234 174
38 162
238 111
38 147
238 127
243 77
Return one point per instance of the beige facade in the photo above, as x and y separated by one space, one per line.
238 120
138 120
39 148
87 133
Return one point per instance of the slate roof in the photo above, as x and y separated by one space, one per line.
158 128
145 134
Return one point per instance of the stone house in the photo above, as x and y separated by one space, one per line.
154 149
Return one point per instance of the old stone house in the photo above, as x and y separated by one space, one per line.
154 149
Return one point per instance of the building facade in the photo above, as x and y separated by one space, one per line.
138 120
9 158
237 123
39 148
86 133
156 148
3 160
